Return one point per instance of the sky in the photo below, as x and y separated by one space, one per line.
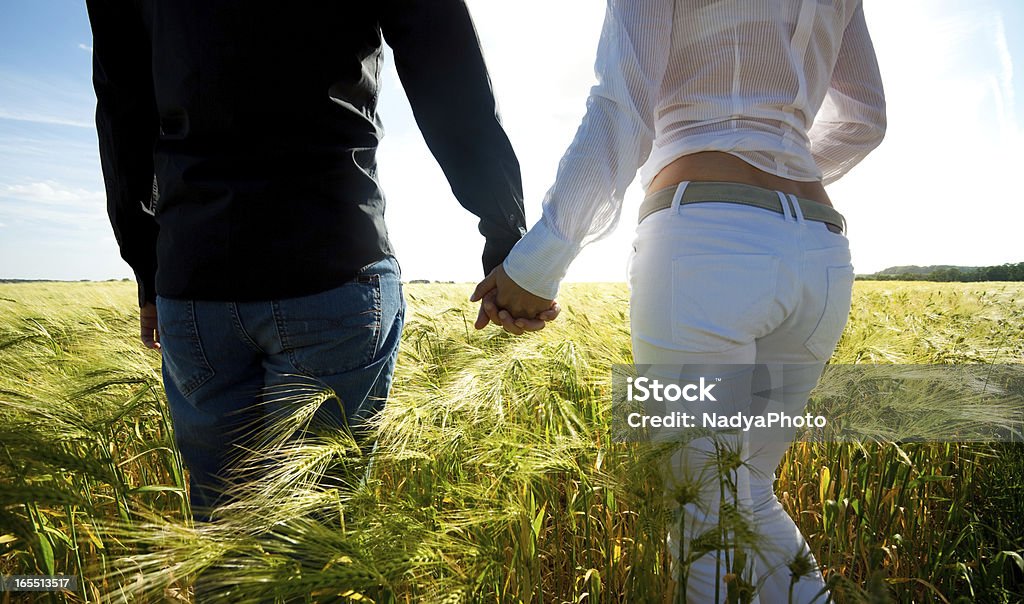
941 189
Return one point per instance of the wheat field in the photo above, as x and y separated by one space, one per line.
495 478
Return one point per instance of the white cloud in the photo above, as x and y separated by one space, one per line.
52 193
52 205
64 100
54 120
1005 91
85 47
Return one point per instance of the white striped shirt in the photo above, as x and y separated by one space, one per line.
792 87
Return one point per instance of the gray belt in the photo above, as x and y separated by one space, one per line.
748 195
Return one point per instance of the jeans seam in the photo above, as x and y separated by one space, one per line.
829 298
282 332
388 258
378 311
286 348
236 320
197 349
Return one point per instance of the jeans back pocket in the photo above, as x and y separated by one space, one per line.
334 331
720 301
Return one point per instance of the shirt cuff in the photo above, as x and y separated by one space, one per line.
147 287
539 261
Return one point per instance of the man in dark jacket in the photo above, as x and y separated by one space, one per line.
238 143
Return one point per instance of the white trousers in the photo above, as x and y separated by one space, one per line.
721 283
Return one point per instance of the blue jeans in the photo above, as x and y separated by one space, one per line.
229 366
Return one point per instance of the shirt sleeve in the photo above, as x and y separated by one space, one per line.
611 144
441 66
126 126
851 121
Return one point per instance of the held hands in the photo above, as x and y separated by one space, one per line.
504 303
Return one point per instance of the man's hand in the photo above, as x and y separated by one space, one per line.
148 330
504 303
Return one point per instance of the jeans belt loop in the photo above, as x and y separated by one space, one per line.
677 197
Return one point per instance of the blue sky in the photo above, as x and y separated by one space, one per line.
942 188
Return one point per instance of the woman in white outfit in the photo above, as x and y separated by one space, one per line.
738 113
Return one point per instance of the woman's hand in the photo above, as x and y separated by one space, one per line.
504 303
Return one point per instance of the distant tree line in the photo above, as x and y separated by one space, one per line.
1003 272
60 280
